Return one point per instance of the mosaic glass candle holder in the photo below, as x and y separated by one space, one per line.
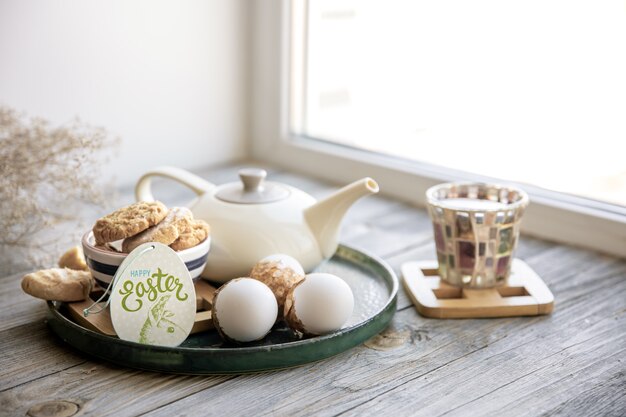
476 228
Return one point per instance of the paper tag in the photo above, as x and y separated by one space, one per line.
154 300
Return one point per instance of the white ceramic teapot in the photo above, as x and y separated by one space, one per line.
253 218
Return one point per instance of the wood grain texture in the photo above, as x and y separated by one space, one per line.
572 362
31 351
105 390
16 307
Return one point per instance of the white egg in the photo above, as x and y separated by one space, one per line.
286 260
244 310
319 304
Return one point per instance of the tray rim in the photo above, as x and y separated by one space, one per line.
392 283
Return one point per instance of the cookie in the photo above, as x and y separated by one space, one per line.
128 221
73 259
58 284
178 219
197 231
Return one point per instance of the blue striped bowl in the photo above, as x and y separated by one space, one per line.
104 263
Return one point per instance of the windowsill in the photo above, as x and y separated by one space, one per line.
564 219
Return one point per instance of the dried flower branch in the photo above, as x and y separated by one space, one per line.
48 175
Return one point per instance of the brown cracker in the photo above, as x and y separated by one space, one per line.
166 231
58 284
128 221
73 259
196 232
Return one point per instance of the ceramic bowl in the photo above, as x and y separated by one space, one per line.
103 263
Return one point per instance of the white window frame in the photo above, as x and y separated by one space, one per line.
553 216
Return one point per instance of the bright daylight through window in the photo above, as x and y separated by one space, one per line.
531 91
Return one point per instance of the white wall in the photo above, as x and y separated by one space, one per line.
168 77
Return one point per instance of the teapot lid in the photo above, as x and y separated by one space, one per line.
252 189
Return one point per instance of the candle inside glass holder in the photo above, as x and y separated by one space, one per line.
476 228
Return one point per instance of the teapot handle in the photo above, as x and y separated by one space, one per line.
192 181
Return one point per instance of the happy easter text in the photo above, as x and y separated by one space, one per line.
160 282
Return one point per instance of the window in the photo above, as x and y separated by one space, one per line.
418 92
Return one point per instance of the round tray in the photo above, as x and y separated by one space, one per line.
372 281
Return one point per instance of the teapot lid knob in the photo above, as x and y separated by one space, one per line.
252 178
253 189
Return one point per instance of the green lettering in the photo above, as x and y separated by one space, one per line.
180 287
169 283
152 291
152 287
140 289
127 291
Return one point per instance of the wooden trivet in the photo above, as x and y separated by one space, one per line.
524 295
101 322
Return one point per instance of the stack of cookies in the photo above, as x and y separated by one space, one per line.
119 232
149 221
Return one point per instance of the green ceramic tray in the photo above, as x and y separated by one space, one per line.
373 283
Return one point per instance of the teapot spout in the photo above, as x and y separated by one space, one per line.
324 217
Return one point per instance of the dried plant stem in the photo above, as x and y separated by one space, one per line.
48 175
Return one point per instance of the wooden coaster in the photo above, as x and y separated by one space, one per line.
101 322
524 295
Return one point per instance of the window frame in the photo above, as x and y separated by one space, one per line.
554 216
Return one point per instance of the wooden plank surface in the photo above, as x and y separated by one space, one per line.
570 363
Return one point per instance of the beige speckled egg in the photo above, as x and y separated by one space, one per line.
279 272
